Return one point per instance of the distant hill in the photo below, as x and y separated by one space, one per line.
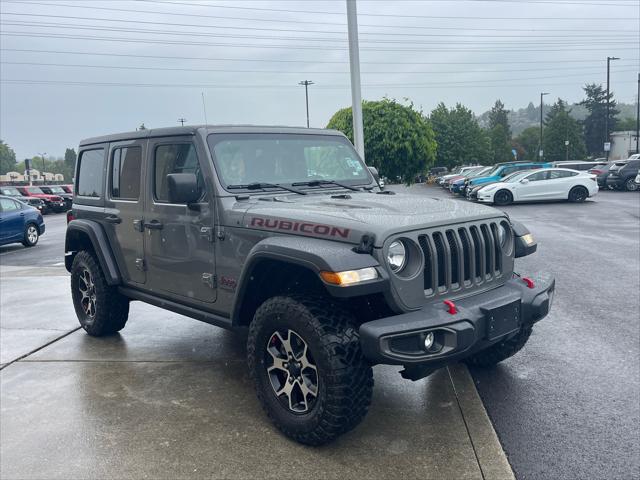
530 115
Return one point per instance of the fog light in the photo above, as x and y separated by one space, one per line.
429 339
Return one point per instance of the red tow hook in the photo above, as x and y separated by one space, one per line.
452 307
529 282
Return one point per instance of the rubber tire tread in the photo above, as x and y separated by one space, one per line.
571 199
348 382
500 351
502 204
107 320
25 242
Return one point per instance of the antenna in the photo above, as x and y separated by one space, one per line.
204 108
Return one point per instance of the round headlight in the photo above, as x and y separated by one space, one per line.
502 235
397 256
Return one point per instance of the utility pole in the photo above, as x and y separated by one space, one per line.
638 117
43 167
354 67
606 119
566 153
540 150
306 84
181 121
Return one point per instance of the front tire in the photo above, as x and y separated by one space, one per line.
630 185
100 309
501 350
503 197
578 194
310 375
31 235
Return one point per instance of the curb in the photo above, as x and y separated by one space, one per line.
490 456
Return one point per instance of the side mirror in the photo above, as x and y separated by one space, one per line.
183 188
374 172
524 181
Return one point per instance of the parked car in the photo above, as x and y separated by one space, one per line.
447 182
327 276
455 172
543 184
622 175
68 188
458 186
61 192
501 170
19 223
471 192
54 203
580 165
438 171
601 172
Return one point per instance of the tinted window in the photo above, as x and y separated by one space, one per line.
633 164
8 205
561 174
536 177
125 173
175 158
90 173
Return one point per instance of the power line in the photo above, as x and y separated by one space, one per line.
297 72
340 32
307 61
513 48
317 22
544 42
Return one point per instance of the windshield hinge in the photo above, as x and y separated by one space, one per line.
209 279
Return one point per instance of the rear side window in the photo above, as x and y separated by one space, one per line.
90 173
561 174
125 173
8 205
174 158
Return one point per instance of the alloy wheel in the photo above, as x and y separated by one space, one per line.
292 371
32 234
87 289
631 185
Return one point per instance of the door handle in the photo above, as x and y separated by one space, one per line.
113 219
153 225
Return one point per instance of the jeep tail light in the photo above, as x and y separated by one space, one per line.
349 277
70 216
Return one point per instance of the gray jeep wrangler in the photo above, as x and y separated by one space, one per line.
285 234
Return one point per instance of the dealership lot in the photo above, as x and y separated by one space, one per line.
170 397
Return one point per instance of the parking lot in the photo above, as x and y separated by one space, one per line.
170 397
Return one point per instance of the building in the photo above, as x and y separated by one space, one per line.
623 144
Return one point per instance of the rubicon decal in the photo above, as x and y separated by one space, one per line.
303 227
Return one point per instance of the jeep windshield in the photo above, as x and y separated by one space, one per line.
286 160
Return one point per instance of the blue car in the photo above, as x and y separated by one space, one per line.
19 223
458 186
500 171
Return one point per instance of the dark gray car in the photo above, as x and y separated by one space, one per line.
285 233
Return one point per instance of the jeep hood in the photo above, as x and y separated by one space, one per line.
346 217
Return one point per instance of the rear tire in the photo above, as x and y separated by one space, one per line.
310 375
503 197
100 309
501 350
578 194
31 235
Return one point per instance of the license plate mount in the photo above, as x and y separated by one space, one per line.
502 320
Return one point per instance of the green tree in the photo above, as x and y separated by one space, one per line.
593 124
560 127
499 116
500 144
7 158
398 139
70 157
528 141
626 124
459 138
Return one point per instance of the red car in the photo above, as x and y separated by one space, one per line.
67 188
52 202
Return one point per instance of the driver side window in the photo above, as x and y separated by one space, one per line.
174 158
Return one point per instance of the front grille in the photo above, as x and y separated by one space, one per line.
461 257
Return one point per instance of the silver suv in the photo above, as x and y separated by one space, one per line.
284 233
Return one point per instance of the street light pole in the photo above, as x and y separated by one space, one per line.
354 67
181 121
43 167
606 120
540 150
306 84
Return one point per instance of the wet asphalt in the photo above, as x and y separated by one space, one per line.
568 405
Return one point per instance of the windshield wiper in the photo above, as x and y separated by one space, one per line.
262 185
317 183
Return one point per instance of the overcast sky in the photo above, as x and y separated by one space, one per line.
75 69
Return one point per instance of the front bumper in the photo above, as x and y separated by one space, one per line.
481 321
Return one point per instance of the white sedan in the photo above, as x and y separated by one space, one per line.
542 184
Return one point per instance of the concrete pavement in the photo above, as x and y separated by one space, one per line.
170 397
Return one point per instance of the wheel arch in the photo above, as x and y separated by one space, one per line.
89 235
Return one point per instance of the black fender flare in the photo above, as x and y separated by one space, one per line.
98 238
316 255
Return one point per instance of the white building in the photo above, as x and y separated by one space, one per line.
623 144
